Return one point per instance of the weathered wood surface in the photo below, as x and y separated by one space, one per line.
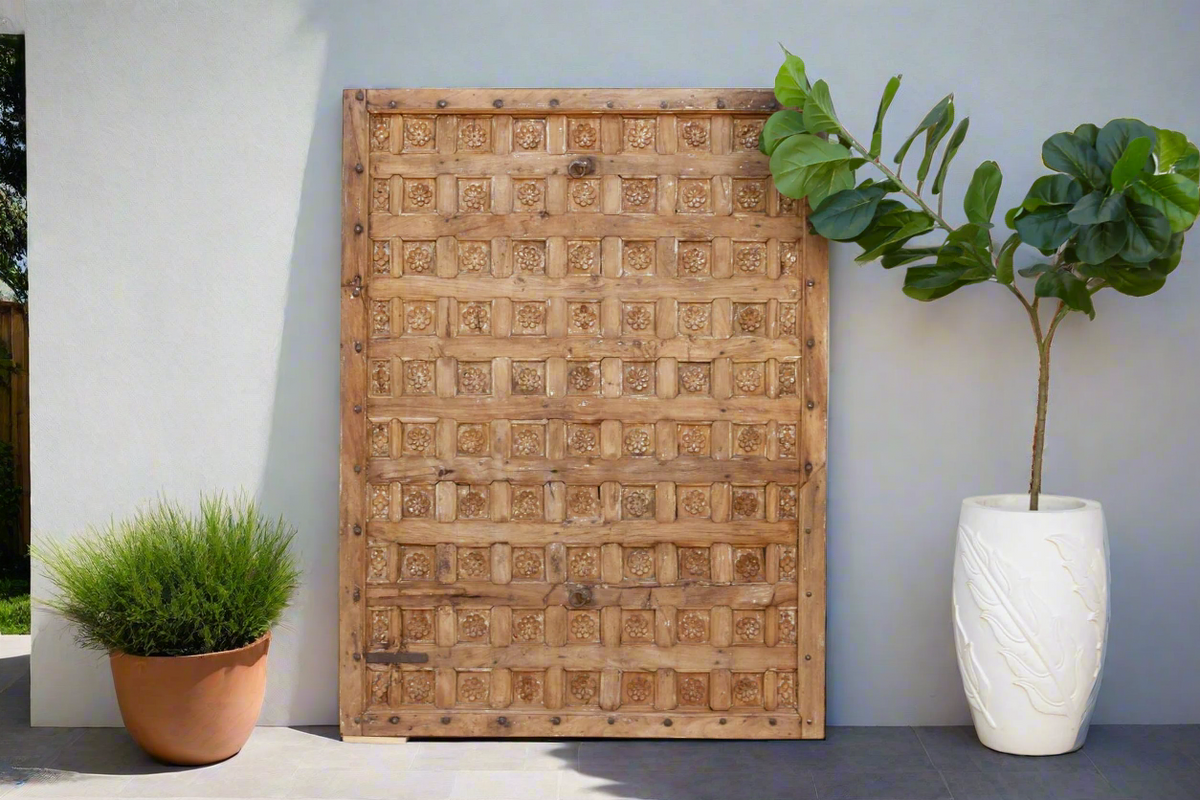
584 403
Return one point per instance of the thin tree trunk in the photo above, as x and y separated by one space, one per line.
1039 428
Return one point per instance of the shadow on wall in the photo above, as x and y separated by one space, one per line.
300 474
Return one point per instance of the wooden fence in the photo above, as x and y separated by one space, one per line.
14 418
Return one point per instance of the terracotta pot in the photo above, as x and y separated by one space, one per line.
192 709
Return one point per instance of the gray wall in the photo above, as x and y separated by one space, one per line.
184 258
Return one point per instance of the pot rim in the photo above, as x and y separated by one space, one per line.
260 640
1019 503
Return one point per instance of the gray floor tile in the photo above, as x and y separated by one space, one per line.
507 785
959 750
1161 784
698 782
875 785
304 748
873 749
1132 749
1081 784
451 755
310 782
57 783
560 755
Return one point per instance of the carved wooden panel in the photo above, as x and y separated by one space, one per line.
583 419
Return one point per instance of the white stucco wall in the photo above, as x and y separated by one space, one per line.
184 225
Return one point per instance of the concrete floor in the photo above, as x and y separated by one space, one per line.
1118 763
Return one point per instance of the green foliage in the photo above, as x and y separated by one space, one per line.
169 582
14 604
1106 218
1112 215
13 226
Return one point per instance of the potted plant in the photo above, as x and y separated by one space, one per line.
1030 590
183 603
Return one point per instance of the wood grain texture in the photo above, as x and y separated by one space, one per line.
352 493
583 419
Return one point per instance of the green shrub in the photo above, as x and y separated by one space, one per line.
14 605
172 583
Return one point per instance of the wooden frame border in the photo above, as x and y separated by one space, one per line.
504 101
357 104
352 488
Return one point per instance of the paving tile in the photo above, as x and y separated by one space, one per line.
1163 784
672 781
1080 784
311 782
104 751
42 782
1183 738
1137 749
469 755
14 704
507 785
547 755
14 666
304 748
663 752
875 749
876 785
230 778
958 749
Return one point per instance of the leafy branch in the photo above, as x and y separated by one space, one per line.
1113 215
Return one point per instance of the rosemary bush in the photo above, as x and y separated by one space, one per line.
169 582
1112 216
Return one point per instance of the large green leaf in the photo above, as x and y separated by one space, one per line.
843 216
1133 282
1047 228
1066 287
906 255
794 158
891 233
1169 260
927 293
1169 147
827 179
885 102
980 200
780 126
818 110
791 84
1094 208
1132 163
1088 132
1052 190
1149 233
1033 270
956 140
930 120
1098 243
1174 195
1072 155
1116 136
1188 164
933 137
1004 261
938 276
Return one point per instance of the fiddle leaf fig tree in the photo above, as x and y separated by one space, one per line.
1111 216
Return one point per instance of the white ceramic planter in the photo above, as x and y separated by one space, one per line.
1030 606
